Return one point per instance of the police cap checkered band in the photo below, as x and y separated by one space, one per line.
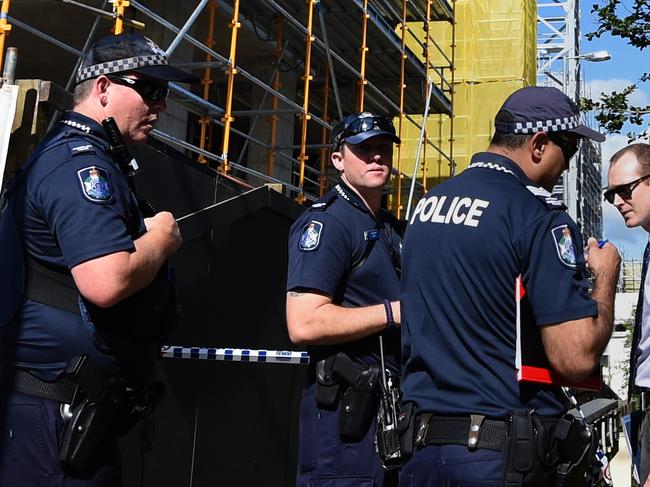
121 65
541 109
129 52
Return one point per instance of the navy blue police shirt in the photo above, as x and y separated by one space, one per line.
338 248
75 205
467 241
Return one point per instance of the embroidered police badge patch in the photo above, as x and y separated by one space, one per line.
94 184
564 244
310 237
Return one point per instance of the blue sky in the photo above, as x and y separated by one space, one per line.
625 67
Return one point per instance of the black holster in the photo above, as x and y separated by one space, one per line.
406 429
327 388
100 406
90 415
577 444
358 401
529 451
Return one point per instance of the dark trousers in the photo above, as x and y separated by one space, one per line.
452 466
29 447
325 461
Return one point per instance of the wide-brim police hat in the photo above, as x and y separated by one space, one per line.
543 109
133 53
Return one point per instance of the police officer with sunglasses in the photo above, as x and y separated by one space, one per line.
487 253
629 191
342 291
85 292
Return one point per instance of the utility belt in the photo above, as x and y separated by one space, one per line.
91 406
537 451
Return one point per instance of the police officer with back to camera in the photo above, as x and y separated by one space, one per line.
89 291
342 289
467 243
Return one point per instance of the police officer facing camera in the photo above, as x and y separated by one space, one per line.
343 283
89 295
468 241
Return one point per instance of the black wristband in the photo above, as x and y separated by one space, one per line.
390 321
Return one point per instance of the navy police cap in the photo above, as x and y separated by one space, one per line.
129 52
358 127
542 109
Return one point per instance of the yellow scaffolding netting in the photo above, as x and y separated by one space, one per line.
494 56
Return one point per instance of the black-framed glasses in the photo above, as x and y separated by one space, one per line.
568 147
364 124
623 190
149 90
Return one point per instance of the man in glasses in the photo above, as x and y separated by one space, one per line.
85 294
342 289
629 191
474 243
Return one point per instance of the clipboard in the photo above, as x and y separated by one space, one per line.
531 362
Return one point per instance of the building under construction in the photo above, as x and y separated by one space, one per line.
236 155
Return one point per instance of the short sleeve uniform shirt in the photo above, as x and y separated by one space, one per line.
338 248
74 205
467 241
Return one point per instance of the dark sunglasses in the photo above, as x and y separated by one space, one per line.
149 90
567 147
364 124
623 190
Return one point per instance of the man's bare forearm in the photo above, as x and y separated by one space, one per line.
315 320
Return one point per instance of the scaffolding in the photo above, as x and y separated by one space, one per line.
352 55
558 65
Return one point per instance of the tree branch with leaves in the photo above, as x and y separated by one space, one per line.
631 23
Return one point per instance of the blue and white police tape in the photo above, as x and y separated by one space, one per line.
236 355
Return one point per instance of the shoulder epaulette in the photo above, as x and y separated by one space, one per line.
550 201
324 202
81 147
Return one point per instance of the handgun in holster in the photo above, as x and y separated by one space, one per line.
359 401
89 416
577 444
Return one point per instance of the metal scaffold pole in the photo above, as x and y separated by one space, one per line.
119 7
232 72
402 88
364 50
330 63
5 27
186 28
419 152
452 164
205 141
427 71
324 160
309 40
276 86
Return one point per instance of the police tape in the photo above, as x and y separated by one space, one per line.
236 355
